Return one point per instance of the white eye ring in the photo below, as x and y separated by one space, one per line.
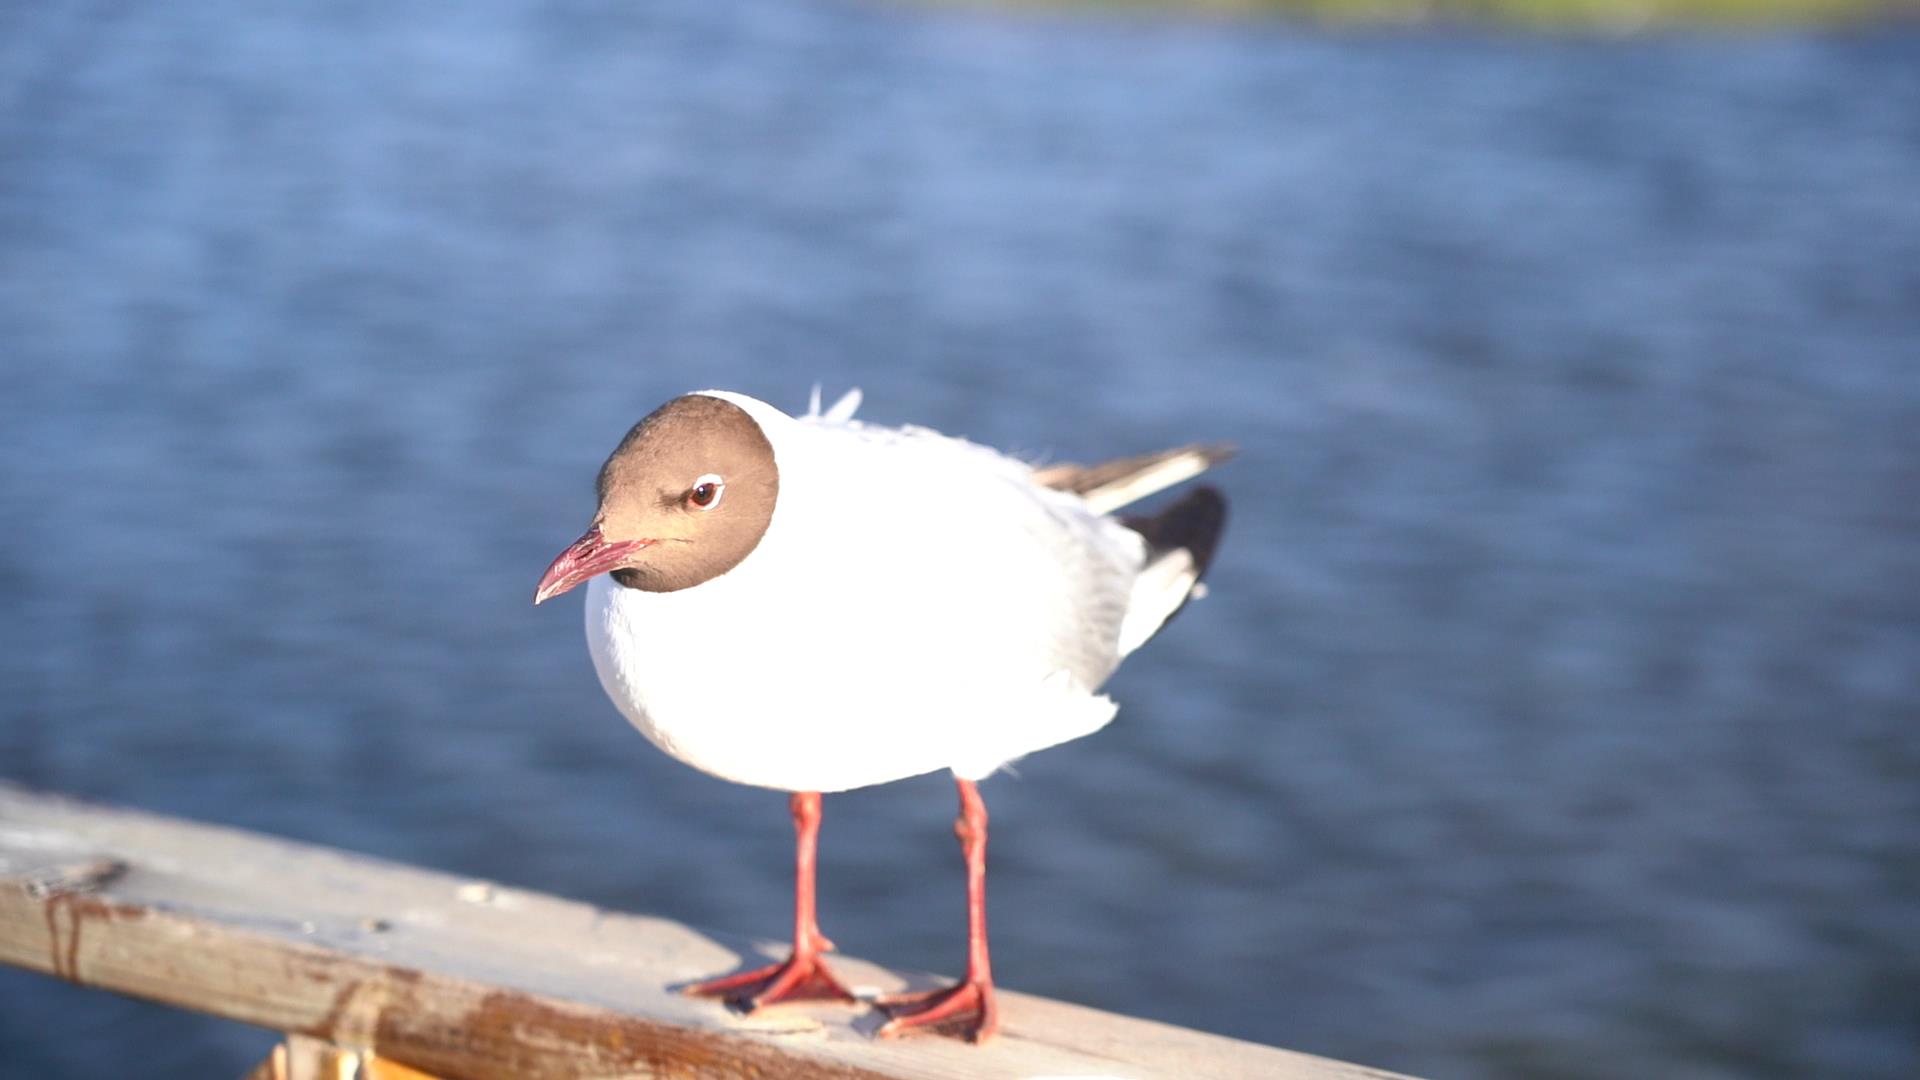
712 486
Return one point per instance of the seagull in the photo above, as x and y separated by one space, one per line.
814 603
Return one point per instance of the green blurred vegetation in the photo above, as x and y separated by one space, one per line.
1627 14
1595 12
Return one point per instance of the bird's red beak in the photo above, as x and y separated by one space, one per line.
584 558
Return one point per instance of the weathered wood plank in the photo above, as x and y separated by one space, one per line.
474 980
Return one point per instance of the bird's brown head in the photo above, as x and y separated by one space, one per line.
684 497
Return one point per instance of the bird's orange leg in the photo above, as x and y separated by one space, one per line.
966 1010
802 976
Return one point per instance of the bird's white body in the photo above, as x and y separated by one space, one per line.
916 603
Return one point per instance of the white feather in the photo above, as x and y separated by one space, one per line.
844 409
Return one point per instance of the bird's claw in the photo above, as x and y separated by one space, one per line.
965 1011
796 979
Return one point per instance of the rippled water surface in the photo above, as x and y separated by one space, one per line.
1553 713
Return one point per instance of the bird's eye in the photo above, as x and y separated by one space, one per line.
705 492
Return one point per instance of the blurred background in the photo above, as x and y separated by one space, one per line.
1552 715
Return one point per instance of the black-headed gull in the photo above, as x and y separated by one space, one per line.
813 604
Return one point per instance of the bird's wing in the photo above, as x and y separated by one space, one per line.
1180 545
1111 485
1026 578
1107 586
1180 540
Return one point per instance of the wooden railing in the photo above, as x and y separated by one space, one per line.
377 971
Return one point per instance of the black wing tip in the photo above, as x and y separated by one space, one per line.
1195 523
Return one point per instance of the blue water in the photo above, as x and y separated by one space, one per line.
1554 711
